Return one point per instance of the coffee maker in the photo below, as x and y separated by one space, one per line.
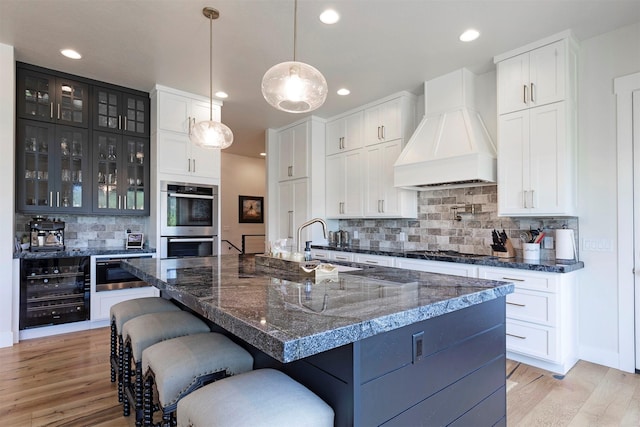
46 235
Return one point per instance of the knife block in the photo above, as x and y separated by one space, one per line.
510 253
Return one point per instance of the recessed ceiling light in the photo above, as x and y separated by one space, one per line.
343 91
221 94
263 154
469 35
329 16
70 53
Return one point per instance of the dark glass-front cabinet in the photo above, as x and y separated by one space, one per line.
53 99
120 112
54 291
121 174
52 164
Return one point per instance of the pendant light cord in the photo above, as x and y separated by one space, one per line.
295 27
210 68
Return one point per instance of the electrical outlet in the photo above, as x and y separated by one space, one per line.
401 236
418 346
355 234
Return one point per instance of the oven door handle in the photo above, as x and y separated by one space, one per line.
109 262
179 240
191 196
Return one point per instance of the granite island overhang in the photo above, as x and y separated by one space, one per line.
380 345
288 319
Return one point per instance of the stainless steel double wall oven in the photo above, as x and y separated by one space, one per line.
188 220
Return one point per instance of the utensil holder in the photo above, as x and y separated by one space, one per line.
531 251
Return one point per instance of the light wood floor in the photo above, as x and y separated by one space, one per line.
64 381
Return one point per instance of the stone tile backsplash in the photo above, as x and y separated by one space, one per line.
89 231
440 227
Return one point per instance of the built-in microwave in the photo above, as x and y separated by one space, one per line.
188 210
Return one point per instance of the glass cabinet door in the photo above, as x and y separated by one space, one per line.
107 147
72 102
137 173
34 159
36 95
136 115
121 112
52 99
72 146
107 112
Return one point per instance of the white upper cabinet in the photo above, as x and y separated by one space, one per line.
537 144
384 122
293 207
345 133
532 79
344 185
381 198
292 153
176 113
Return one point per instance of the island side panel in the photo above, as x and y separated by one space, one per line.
462 365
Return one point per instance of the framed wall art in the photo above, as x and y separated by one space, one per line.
251 209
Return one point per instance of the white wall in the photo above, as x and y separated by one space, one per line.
602 59
244 176
7 136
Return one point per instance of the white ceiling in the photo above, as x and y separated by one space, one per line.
377 48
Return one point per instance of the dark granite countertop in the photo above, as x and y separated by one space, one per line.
290 316
548 266
73 252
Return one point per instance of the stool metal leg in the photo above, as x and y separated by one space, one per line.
138 394
126 379
120 357
113 353
147 402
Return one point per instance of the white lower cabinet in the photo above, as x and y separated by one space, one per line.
541 317
453 268
101 302
382 260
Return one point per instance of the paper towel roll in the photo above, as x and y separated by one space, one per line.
565 245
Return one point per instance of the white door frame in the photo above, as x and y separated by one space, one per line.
624 88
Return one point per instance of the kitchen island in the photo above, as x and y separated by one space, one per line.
380 345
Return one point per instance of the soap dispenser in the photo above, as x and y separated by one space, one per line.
307 251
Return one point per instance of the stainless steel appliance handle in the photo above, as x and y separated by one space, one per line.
191 196
196 239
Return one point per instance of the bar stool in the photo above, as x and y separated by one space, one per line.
176 367
264 397
142 332
121 313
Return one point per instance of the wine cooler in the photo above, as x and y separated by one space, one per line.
54 291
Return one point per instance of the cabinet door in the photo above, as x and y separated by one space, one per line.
334 139
344 134
513 84
107 109
547 72
344 185
173 112
548 158
292 153
293 210
106 172
335 187
135 162
136 115
173 153
52 99
205 162
381 197
71 170
34 158
383 122
513 162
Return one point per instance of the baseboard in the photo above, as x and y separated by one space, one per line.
6 339
607 358
47 331
558 368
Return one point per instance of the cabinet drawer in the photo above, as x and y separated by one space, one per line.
342 256
531 340
320 254
523 280
532 306
375 260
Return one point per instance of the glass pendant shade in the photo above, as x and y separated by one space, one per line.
294 87
211 134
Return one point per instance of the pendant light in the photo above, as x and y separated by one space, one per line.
294 87
211 134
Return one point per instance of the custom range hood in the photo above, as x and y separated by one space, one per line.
451 146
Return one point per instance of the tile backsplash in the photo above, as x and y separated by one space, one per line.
91 231
441 227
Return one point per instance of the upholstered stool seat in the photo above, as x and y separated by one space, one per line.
180 365
264 397
142 332
121 313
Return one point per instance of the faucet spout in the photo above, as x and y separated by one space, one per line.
308 223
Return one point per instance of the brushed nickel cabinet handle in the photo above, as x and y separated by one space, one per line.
58 111
516 336
514 279
194 165
532 92
125 123
119 122
524 94
383 132
51 110
516 304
